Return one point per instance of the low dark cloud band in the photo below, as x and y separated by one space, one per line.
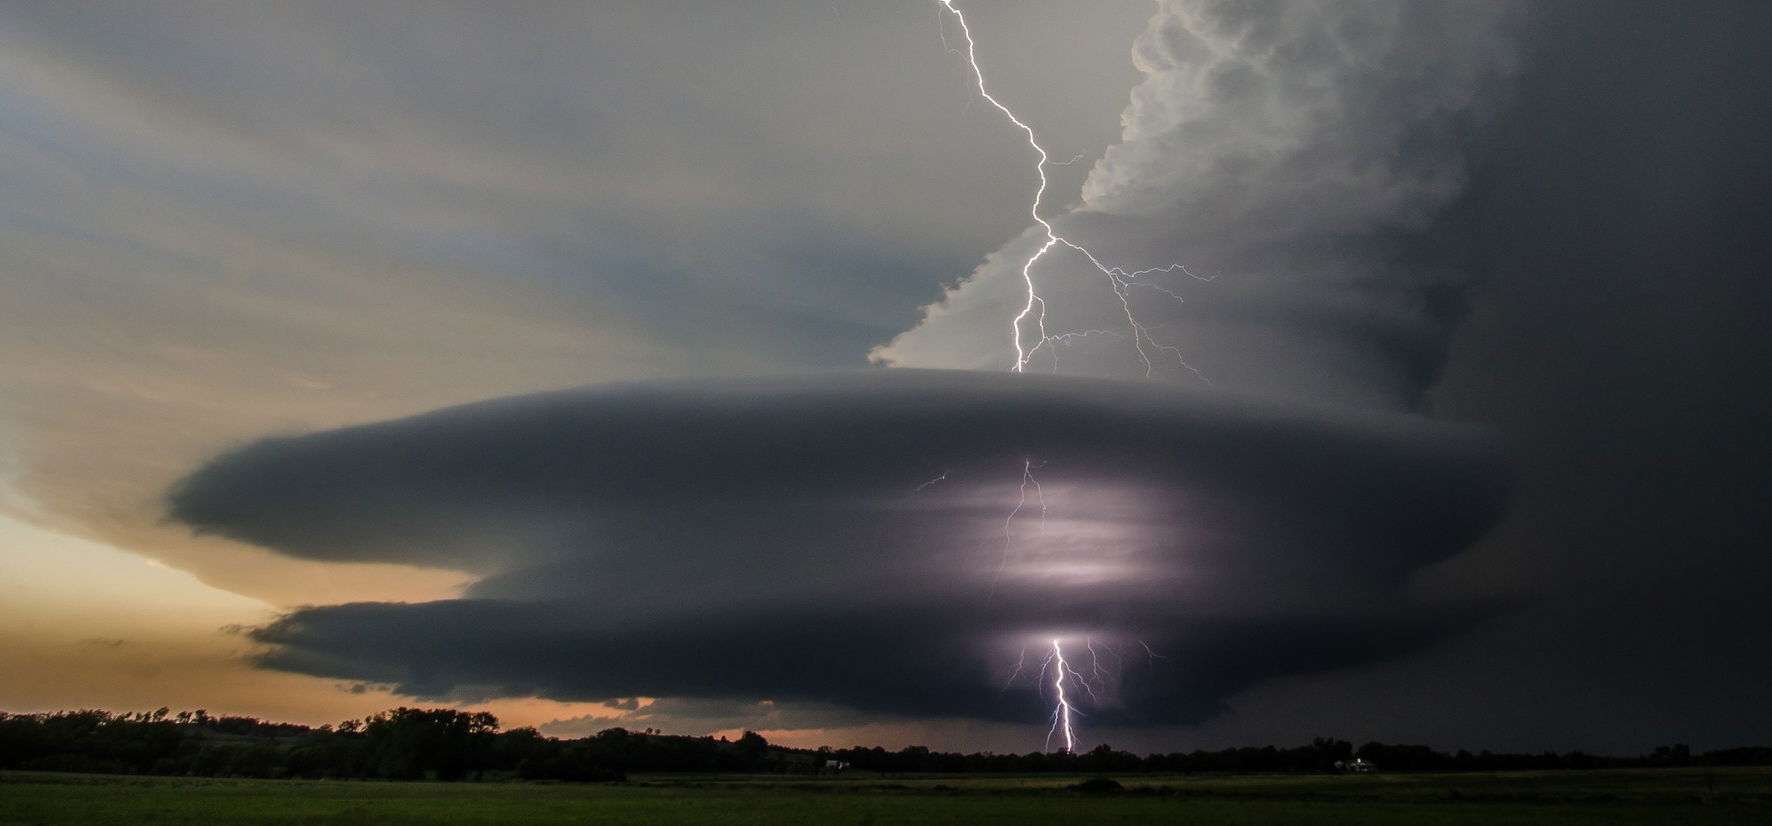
788 539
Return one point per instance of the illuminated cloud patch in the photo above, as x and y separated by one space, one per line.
776 540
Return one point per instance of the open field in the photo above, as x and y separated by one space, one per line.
1646 796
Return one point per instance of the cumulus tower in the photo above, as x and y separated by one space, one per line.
1307 156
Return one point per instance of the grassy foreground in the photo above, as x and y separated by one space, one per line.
1646 796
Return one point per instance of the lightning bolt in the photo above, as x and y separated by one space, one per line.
1055 663
1029 335
1072 683
1098 673
1061 713
1027 481
1019 662
1121 281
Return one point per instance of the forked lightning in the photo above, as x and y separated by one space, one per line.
1033 312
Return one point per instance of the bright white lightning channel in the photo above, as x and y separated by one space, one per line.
1069 684
1033 313
1061 714
1121 281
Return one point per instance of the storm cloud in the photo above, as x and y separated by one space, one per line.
771 550
1301 156
846 539
897 542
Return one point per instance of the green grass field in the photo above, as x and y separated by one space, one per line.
1645 796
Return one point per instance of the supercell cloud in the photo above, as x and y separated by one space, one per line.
776 539
845 540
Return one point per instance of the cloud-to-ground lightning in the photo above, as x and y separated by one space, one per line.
1056 665
1120 280
1061 713
1095 684
1033 315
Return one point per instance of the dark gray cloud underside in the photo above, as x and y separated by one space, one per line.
391 491
787 539
917 661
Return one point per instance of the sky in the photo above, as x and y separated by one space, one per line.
649 364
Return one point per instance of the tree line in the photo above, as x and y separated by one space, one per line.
448 744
